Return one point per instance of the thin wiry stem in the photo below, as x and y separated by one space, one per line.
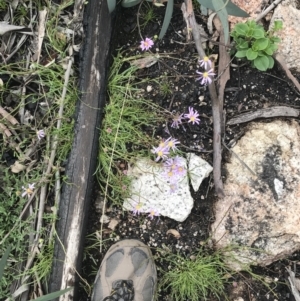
110 164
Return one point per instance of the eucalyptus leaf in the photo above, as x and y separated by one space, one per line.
223 16
204 10
111 5
167 19
3 261
231 8
130 3
261 63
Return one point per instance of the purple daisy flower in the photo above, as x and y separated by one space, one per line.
161 152
177 120
146 44
137 208
205 77
192 116
206 63
152 213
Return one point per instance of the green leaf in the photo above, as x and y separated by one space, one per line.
275 39
52 295
243 45
3 261
231 8
261 63
251 55
130 3
241 28
261 44
241 53
258 33
252 24
223 16
249 33
111 5
167 19
278 25
271 62
269 51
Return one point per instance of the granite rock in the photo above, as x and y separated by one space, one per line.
259 217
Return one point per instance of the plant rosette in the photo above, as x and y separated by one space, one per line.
255 44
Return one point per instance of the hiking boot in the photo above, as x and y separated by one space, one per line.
127 273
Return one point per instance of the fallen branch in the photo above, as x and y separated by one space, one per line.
294 283
288 73
267 10
279 111
188 13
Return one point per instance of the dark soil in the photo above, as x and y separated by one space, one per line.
248 89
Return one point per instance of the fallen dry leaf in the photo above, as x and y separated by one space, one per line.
17 167
113 223
174 232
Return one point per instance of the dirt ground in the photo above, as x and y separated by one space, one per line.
248 89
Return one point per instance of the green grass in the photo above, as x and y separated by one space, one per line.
123 137
195 279
43 93
147 14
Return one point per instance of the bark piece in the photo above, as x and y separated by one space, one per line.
278 111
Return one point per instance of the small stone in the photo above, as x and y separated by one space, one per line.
104 219
149 88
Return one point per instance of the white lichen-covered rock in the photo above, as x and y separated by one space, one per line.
154 192
289 35
261 213
199 169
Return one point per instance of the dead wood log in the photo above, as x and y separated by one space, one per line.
77 192
278 111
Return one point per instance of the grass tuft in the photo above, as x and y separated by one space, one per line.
195 279
127 115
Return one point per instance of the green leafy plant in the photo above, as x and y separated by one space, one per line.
255 44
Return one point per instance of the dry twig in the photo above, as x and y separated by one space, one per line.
288 73
188 13
266 11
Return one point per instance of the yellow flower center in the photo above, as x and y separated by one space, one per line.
205 74
138 206
170 173
29 191
160 153
205 59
